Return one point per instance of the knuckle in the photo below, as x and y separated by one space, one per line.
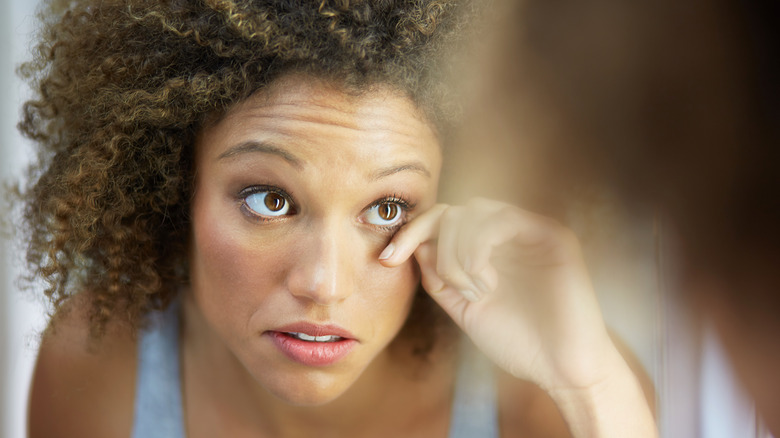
561 236
446 271
444 275
482 203
475 202
440 207
567 237
438 210
557 231
509 213
450 213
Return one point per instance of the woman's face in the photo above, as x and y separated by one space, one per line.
298 190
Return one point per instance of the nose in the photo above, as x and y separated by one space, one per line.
324 273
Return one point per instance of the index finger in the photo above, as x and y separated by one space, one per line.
421 229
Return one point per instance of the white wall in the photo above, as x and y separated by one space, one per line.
20 315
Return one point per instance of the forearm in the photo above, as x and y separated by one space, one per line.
613 407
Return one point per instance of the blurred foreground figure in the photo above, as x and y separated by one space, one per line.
674 106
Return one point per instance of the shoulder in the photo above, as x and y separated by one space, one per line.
83 387
525 410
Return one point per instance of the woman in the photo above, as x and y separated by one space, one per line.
235 206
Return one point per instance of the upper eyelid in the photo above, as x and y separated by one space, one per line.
251 190
399 200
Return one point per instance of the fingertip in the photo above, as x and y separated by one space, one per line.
393 255
389 263
387 252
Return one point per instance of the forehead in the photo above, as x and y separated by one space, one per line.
317 121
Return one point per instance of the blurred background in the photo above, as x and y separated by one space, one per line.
629 261
21 313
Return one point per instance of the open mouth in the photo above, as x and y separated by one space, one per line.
312 350
309 338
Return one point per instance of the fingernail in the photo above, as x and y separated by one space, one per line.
481 286
387 252
469 295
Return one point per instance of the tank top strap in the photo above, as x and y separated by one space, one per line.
158 400
475 407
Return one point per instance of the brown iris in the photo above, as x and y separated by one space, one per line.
274 201
388 211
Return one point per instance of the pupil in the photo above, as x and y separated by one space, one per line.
274 202
388 211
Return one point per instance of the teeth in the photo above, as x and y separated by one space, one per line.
305 337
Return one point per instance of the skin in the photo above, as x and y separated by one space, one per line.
513 281
517 285
335 157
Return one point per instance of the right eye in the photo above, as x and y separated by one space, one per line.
268 204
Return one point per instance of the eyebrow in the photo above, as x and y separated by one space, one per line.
414 166
254 147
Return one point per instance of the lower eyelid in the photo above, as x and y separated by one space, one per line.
249 213
404 220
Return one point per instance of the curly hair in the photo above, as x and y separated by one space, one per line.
122 88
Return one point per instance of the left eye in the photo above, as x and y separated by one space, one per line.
384 214
268 204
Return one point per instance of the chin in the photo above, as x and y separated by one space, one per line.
309 389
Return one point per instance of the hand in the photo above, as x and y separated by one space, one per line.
516 283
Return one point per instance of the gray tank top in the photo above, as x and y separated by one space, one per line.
158 403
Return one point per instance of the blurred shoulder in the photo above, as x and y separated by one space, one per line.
83 387
525 410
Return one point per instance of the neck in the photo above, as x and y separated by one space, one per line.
395 389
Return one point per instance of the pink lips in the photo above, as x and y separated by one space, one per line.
311 353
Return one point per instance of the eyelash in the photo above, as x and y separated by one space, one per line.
395 198
400 200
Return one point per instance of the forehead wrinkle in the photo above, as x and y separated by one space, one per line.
342 116
416 167
251 146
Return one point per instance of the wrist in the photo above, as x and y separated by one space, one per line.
612 406
584 366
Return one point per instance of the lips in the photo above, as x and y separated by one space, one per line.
312 344
305 337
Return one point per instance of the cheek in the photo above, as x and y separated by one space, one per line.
388 293
231 273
